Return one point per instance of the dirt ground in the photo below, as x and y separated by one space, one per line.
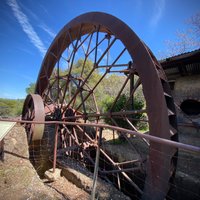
20 181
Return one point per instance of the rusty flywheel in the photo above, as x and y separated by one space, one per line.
33 110
88 50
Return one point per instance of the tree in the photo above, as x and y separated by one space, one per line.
138 105
10 107
194 21
186 40
109 88
31 88
4 109
106 91
82 70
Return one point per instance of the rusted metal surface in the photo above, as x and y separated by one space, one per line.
162 141
96 168
55 148
33 110
99 36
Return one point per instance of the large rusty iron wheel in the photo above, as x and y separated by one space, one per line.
71 95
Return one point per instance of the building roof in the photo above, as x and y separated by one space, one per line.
182 65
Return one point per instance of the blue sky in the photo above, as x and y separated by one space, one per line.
29 26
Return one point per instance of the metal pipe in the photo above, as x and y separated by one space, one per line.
108 114
96 166
163 141
118 182
115 65
197 126
129 162
55 148
131 87
122 170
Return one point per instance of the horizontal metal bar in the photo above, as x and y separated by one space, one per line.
70 148
189 125
120 71
122 170
128 162
122 130
108 114
115 65
123 173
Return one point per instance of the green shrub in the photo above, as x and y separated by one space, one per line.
119 106
10 107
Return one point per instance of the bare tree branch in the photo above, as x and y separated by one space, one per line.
186 40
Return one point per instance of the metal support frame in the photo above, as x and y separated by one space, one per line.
96 168
86 35
162 141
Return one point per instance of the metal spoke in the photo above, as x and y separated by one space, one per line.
86 54
103 74
114 65
112 48
123 173
135 129
137 84
120 92
97 44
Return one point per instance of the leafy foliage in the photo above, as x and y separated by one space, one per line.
78 72
119 106
31 88
105 93
10 107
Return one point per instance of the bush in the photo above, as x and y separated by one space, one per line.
10 107
119 106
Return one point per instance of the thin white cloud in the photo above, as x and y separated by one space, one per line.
159 7
44 9
28 11
47 30
26 26
42 25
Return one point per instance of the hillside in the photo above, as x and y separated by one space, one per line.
11 107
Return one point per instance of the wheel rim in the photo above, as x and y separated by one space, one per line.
33 110
88 29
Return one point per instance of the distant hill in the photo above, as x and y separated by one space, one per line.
11 107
